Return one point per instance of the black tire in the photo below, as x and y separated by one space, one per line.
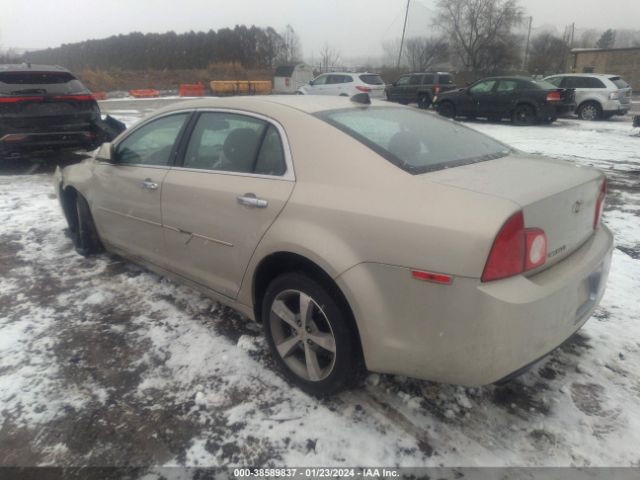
524 115
446 109
424 101
589 111
343 95
85 236
335 371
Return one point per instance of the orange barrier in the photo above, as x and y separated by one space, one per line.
144 93
191 90
241 87
99 95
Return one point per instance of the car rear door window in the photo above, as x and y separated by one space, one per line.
415 80
507 86
152 143
428 79
403 80
445 79
583 82
231 142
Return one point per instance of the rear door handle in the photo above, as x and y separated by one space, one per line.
149 185
250 200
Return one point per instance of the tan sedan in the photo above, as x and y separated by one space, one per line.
361 235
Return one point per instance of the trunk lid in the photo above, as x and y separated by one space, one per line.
558 197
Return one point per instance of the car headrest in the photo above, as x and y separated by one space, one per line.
240 148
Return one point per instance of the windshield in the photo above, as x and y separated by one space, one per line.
415 141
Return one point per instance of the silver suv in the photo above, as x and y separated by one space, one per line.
598 95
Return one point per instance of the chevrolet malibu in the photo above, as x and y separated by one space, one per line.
362 235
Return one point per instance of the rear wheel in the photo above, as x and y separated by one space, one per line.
309 335
524 115
446 109
85 235
590 111
424 101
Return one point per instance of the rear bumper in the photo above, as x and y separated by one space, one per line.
616 107
556 110
473 333
29 141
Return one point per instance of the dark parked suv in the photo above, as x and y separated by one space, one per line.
420 88
520 99
45 107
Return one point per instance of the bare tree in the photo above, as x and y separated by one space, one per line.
289 48
423 53
548 54
481 31
329 57
627 38
390 50
588 38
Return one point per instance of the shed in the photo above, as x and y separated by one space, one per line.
288 78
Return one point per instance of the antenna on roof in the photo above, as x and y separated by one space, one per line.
362 98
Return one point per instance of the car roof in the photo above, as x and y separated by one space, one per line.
607 75
31 67
348 73
305 103
511 77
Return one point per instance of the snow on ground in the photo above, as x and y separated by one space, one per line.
104 363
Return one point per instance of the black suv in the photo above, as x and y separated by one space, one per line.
421 88
45 107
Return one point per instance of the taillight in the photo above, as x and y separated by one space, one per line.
614 95
436 89
363 89
286 81
515 250
20 99
553 97
81 98
600 203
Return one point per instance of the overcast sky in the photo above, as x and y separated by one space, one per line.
355 27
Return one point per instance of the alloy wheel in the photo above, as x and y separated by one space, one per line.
589 112
302 335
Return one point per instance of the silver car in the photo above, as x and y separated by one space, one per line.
598 95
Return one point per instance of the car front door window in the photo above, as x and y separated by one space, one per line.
483 87
151 144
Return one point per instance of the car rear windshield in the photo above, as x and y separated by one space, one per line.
619 82
415 141
372 79
543 84
17 83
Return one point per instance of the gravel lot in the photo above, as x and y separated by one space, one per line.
103 363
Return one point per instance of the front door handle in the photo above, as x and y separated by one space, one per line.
250 200
149 185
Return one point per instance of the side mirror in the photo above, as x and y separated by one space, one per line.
311 83
105 153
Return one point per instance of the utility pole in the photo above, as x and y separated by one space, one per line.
406 14
526 50
573 29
